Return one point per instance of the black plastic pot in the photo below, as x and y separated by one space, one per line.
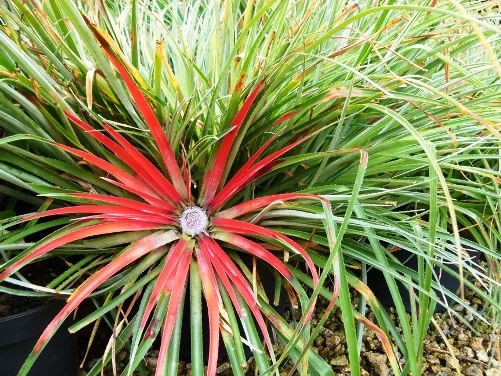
377 283
19 333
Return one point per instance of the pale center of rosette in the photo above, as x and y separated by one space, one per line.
194 220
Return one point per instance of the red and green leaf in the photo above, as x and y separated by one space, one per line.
99 229
150 120
175 286
256 250
205 247
140 248
248 173
213 299
212 178
127 179
135 160
243 288
258 203
244 228
169 268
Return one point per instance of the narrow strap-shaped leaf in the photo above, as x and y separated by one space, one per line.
123 202
240 227
284 329
99 229
99 209
213 177
139 249
150 120
134 159
258 153
320 324
118 173
196 334
135 217
151 169
260 202
256 250
243 288
205 247
232 337
176 294
246 175
146 197
167 271
213 299
335 252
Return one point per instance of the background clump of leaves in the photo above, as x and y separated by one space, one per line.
411 89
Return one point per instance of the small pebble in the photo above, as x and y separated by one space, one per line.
223 367
319 341
438 336
473 370
332 341
379 362
458 308
467 351
482 356
493 372
339 361
476 344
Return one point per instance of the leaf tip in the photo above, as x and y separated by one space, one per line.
364 158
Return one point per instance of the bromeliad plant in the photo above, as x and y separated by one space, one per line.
194 229
247 126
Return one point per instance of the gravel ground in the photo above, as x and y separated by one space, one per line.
477 352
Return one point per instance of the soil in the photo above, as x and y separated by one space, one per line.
39 273
477 352
12 305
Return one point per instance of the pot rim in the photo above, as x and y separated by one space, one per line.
26 313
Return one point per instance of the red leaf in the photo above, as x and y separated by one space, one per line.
170 263
106 212
139 249
205 246
260 202
87 209
243 288
213 299
146 197
125 202
256 250
213 177
82 233
247 174
133 217
240 227
176 293
285 117
133 159
258 153
152 123
118 173
150 168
